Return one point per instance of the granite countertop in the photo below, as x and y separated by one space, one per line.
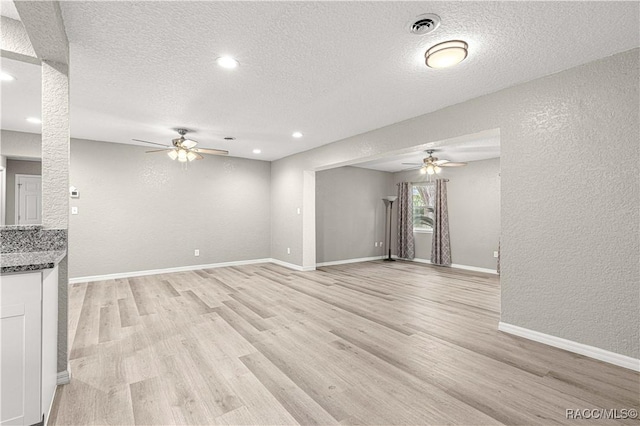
30 261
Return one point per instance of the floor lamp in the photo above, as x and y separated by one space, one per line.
388 201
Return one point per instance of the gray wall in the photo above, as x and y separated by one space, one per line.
17 167
473 194
20 144
569 267
350 214
142 211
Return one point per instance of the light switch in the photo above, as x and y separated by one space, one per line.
74 210
495 254
298 210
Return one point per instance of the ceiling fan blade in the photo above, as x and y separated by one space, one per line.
452 164
153 143
199 157
412 164
412 168
210 151
160 150
441 162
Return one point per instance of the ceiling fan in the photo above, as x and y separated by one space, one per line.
184 149
431 164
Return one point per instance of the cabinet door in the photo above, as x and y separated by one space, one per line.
20 348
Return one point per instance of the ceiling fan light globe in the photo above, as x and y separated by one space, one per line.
191 156
437 169
172 154
189 143
430 170
182 155
423 170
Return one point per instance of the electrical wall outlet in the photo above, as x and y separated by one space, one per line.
375 244
495 254
74 210
196 252
288 250
381 243
298 210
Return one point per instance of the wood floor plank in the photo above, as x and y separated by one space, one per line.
303 408
128 312
150 403
364 343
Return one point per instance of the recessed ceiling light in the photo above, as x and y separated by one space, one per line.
229 138
34 120
257 151
6 77
297 135
227 62
447 54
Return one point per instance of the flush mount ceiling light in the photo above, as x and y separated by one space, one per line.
227 62
257 151
34 120
446 54
6 77
297 135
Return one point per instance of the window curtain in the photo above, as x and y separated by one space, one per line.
440 242
406 245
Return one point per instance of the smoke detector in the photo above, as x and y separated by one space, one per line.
424 24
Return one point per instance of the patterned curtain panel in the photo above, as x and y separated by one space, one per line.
440 242
406 246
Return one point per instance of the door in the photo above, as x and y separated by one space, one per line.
28 200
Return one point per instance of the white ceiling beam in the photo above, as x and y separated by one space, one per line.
14 41
45 27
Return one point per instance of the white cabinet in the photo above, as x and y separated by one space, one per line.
28 345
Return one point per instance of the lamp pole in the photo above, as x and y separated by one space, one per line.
389 201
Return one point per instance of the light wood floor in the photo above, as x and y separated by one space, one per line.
368 343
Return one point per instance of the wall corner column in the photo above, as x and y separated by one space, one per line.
55 177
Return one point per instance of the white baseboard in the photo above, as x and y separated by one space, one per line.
288 265
292 266
457 266
164 271
132 274
475 268
571 346
343 262
63 377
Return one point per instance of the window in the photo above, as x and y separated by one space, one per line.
423 213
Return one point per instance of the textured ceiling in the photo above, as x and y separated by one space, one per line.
328 69
476 147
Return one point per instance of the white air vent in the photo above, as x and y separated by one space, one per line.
424 24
